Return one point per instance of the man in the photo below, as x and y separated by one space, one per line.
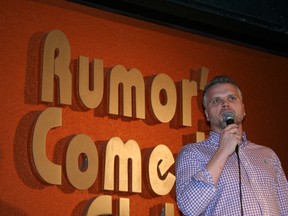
209 180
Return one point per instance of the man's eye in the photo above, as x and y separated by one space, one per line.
215 101
232 98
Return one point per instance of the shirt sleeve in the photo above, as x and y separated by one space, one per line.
194 185
282 188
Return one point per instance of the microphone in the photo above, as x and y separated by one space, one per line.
228 118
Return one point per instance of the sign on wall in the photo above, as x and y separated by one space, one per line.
125 93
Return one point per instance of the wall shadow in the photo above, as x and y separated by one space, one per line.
22 151
7 209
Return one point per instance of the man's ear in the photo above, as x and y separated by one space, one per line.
206 114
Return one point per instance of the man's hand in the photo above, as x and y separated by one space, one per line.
230 137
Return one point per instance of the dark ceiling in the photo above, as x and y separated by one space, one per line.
258 24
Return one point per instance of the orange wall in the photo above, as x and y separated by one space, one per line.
116 39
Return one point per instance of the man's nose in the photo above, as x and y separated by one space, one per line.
225 103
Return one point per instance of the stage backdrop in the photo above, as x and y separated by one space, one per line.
95 107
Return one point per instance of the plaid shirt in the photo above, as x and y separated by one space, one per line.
264 184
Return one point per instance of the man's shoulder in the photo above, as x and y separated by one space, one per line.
260 148
195 147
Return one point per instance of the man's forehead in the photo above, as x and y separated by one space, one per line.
223 90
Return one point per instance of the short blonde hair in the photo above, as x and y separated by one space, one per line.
221 79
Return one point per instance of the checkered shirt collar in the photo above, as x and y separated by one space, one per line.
214 137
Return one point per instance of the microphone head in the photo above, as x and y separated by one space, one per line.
228 118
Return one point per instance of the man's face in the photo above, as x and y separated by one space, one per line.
222 98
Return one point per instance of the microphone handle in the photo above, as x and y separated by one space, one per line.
228 122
